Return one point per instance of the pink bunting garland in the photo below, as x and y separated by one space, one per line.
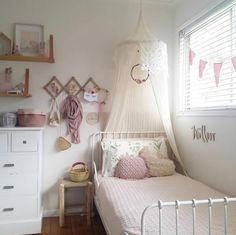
217 68
202 66
191 56
234 62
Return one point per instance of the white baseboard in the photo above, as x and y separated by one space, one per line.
51 213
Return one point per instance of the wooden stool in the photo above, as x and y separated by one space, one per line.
64 184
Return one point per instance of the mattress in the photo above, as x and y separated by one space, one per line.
121 203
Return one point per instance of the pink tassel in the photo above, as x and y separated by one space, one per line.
217 68
202 66
234 62
191 56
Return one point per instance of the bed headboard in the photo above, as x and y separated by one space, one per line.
97 137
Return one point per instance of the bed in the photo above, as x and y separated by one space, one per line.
168 205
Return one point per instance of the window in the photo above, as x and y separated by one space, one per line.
209 83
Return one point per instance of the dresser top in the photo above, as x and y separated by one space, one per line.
21 128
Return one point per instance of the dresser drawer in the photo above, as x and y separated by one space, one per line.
3 142
18 185
24 141
18 164
19 208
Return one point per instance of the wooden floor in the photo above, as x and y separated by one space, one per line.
74 225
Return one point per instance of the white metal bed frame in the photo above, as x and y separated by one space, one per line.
97 137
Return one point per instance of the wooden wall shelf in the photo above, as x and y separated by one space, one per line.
15 95
45 59
26 90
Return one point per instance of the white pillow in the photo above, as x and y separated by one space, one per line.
114 148
161 167
157 165
160 146
149 152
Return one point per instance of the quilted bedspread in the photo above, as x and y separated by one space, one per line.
122 202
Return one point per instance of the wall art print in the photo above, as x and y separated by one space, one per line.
28 38
53 87
72 87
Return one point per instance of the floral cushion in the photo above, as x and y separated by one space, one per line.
131 167
114 148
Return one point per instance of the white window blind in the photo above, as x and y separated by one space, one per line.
212 39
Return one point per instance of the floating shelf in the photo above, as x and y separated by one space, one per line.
45 59
15 95
26 90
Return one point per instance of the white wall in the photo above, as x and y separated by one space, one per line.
85 34
214 162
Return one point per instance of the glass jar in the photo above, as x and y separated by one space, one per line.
8 119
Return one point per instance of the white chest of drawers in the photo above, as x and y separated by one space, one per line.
20 181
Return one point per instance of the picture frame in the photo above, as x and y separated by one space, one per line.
28 39
90 91
53 87
5 44
72 87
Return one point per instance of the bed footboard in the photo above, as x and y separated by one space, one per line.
226 202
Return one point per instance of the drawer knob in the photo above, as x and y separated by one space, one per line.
8 209
24 142
9 165
8 187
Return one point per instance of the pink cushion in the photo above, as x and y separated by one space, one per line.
131 167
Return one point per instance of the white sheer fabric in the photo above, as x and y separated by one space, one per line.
145 106
133 106
154 54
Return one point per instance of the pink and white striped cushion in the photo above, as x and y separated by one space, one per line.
131 167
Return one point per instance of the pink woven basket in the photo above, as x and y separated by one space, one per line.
31 118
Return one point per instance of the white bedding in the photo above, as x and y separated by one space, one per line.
122 202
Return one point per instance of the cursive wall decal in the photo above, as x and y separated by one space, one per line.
201 133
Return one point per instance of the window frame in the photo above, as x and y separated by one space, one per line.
193 24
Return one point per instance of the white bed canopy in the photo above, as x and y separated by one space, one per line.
139 104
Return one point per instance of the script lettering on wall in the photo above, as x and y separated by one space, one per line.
202 134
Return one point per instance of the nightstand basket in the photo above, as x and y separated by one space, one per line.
79 172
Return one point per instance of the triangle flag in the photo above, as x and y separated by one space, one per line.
217 68
202 66
192 54
234 62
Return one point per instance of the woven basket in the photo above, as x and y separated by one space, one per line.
79 172
63 144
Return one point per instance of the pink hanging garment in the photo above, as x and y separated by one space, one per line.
202 66
73 113
191 56
234 62
217 68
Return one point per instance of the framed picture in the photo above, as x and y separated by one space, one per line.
28 39
72 87
53 87
5 44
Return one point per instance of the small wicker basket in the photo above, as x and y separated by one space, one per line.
63 144
79 172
